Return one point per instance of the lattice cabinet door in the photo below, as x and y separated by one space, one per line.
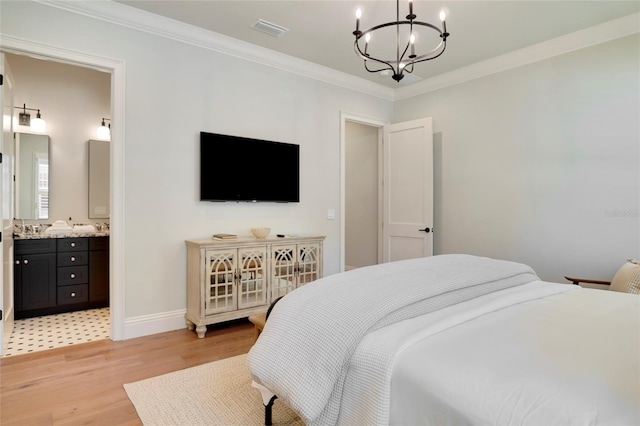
220 294
308 263
283 270
252 277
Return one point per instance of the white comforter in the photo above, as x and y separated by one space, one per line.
560 358
304 351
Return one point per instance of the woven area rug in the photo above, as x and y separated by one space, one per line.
217 393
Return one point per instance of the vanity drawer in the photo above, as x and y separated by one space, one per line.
70 275
73 294
73 258
73 244
45 245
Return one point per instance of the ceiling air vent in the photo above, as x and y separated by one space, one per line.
269 28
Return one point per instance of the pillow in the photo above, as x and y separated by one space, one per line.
627 279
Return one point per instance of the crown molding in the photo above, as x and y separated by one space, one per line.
601 33
141 20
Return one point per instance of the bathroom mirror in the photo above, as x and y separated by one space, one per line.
99 187
31 176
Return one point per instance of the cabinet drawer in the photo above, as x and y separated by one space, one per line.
70 275
45 245
73 258
73 244
73 294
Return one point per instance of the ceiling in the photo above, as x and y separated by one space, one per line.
321 31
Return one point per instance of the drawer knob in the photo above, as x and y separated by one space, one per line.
73 244
73 275
26 261
73 295
73 258
17 262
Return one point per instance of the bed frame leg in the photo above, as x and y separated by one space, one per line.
267 411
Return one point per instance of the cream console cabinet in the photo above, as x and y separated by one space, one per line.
230 279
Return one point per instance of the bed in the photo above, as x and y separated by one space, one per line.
451 339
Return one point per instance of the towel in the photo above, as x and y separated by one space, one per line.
59 227
83 229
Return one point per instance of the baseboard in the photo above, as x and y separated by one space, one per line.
146 325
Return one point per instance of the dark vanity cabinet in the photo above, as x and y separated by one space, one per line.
60 275
34 275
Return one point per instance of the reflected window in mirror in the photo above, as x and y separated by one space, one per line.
32 176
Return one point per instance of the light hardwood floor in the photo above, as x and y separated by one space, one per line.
82 384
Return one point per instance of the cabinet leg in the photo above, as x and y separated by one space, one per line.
201 329
190 325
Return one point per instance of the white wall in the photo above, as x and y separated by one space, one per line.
175 90
531 164
540 164
72 100
361 195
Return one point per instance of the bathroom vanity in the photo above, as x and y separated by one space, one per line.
62 273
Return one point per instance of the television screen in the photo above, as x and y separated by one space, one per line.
234 168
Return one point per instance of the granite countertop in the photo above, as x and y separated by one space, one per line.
71 234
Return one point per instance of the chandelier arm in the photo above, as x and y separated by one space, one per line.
369 58
388 24
423 58
388 67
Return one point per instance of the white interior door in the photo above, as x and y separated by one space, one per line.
6 212
407 228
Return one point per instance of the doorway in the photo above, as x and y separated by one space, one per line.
386 191
116 259
361 195
73 100
362 181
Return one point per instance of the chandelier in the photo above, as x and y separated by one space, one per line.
406 33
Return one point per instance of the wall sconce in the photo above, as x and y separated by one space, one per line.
103 131
24 119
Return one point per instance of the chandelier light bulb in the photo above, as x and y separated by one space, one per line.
358 13
412 39
443 15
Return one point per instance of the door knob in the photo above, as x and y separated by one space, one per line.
427 230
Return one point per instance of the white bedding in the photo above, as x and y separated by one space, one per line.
566 359
452 340
303 352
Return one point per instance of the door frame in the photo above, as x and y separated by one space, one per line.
116 236
380 125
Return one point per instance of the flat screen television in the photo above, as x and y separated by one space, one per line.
234 168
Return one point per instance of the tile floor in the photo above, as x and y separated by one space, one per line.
54 331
